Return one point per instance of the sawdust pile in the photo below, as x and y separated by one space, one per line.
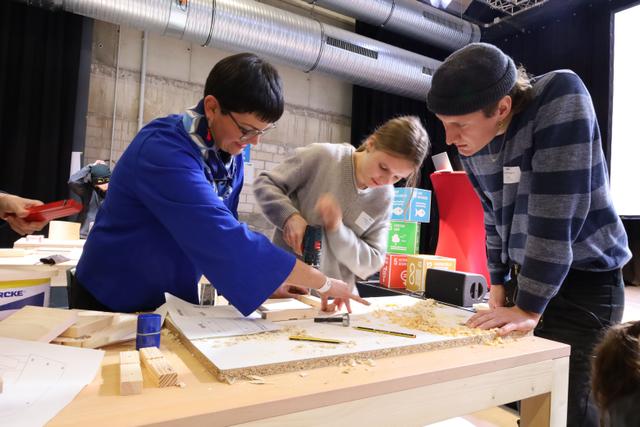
422 317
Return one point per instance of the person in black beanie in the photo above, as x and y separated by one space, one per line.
555 245
90 184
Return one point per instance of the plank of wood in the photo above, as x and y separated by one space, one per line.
130 373
122 328
88 323
13 253
311 300
161 371
41 324
277 310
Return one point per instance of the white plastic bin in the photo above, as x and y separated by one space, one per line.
20 287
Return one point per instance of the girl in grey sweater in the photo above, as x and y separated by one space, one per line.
347 192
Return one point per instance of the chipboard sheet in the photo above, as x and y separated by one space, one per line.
273 352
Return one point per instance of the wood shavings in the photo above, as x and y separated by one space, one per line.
421 316
303 374
255 377
180 384
257 380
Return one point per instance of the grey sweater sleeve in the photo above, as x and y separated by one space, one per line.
273 188
362 255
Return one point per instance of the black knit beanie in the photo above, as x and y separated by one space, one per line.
470 79
100 174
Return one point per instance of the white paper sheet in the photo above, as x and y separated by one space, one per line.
196 321
40 379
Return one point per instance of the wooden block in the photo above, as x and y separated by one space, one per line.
41 324
286 309
311 300
130 373
64 230
151 353
127 357
161 371
87 324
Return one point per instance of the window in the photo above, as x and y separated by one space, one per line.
625 132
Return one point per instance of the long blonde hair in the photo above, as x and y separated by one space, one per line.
403 137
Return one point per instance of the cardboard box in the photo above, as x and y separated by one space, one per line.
417 266
394 271
411 204
404 238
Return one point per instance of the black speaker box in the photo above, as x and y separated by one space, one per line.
455 287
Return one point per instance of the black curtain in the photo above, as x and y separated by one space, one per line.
575 35
580 39
39 54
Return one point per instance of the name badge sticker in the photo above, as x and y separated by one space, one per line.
511 174
364 221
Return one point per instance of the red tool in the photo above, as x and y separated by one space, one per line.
53 210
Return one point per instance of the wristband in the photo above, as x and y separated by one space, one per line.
325 288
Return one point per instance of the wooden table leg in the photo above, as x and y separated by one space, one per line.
549 409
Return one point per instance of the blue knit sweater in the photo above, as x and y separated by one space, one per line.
163 225
545 193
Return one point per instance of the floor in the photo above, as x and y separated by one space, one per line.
504 417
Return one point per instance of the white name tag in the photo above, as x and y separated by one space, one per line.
364 221
511 174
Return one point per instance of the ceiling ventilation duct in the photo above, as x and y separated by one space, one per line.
281 36
409 17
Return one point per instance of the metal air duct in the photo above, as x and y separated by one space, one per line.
409 17
281 36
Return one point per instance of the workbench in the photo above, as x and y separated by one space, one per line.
42 248
408 390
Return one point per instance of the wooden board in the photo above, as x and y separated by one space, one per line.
121 328
281 309
88 322
13 253
273 352
41 324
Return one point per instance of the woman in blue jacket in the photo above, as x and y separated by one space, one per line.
170 215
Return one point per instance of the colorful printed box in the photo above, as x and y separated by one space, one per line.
394 271
404 238
411 204
417 266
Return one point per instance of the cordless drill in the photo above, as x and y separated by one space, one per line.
312 245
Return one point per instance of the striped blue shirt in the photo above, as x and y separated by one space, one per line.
545 193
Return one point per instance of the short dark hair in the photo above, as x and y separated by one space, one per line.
244 83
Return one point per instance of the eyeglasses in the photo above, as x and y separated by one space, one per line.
250 133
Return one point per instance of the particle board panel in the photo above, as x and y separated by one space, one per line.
273 352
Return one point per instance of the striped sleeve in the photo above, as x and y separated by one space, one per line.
564 174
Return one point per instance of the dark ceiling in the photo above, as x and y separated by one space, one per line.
495 23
